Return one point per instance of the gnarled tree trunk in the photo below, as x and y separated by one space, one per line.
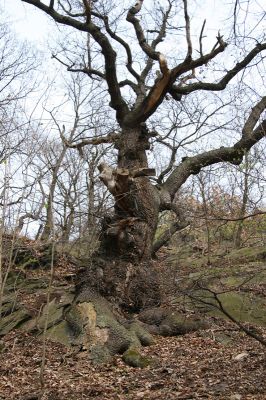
121 278
122 268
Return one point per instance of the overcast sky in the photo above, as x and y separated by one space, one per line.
36 27
28 23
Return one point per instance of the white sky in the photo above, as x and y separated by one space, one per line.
35 26
29 23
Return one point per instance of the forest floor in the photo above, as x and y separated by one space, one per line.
194 366
216 363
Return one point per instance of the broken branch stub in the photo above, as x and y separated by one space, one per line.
114 178
118 180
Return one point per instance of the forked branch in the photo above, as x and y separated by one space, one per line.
233 154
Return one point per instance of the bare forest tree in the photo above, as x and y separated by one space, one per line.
139 76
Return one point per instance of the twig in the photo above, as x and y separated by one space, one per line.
219 305
201 37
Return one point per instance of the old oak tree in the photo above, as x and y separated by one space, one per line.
122 279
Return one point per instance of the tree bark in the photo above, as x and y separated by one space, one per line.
122 269
129 233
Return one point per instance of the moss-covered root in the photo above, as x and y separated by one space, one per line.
96 329
145 338
168 323
133 358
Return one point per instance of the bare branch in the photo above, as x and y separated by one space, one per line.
235 16
201 37
227 219
165 83
218 304
88 71
126 47
234 154
170 165
254 117
110 138
87 9
148 50
227 77
159 38
117 102
165 237
188 37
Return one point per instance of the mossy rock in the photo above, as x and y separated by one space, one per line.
55 315
60 333
9 307
133 358
32 284
242 306
13 320
17 281
244 255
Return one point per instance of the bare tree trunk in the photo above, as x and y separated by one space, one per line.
48 227
47 230
68 224
240 224
130 231
207 224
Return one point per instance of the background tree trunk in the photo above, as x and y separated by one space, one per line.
243 209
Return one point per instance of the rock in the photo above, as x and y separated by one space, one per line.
241 356
133 358
9 305
153 316
99 354
13 320
60 333
55 315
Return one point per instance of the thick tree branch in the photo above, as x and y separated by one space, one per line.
165 83
61 19
227 77
117 102
161 32
234 154
87 9
128 82
188 37
148 50
113 35
166 236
